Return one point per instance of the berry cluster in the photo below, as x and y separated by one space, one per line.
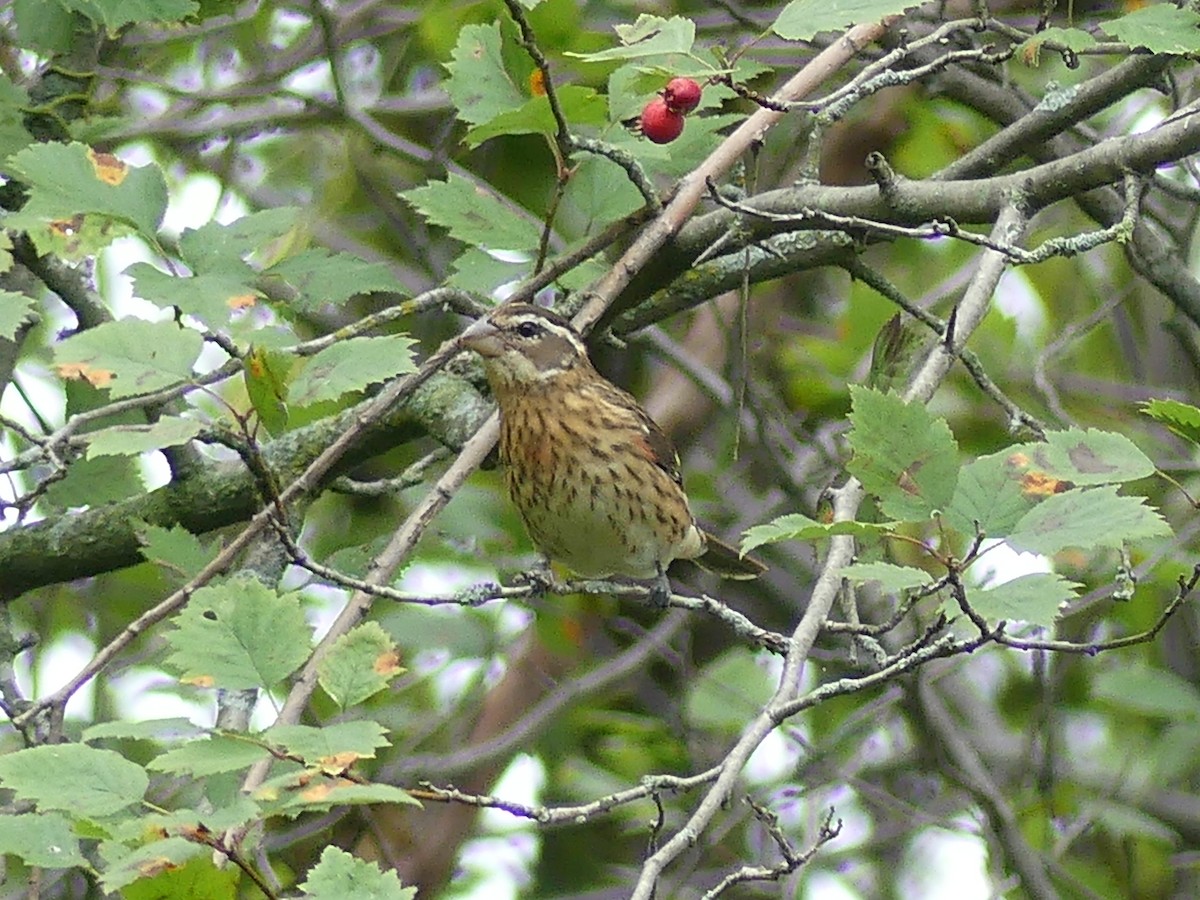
662 118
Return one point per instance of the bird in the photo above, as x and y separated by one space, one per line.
597 483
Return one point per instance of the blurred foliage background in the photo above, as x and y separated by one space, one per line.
966 772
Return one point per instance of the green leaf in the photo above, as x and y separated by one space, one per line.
801 20
1181 418
43 26
14 99
41 839
162 730
1036 598
1148 691
902 454
648 36
359 738
129 440
474 215
197 879
323 792
74 778
339 875
15 310
66 180
1160 28
479 85
239 635
176 548
320 276
892 578
220 753
580 106
728 691
479 271
1096 517
93 482
359 664
268 375
351 365
149 859
988 495
130 356
212 297
798 527
215 248
1082 457
114 14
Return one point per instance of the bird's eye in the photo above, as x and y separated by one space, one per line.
529 329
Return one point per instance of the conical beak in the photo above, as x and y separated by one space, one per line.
484 338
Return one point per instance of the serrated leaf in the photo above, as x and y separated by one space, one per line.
902 454
798 527
115 14
1095 517
149 860
479 85
1181 418
474 215
15 310
580 106
321 276
130 356
67 180
1149 691
1036 598
339 875
176 548
361 738
173 729
74 778
215 248
239 635
352 365
728 692
212 297
892 578
482 272
988 496
268 375
91 482
197 879
359 664
43 839
1160 28
321 792
801 20
220 753
129 440
648 36
1081 457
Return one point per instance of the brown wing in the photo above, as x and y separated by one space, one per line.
626 415
658 446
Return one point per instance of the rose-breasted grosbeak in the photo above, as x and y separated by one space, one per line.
596 481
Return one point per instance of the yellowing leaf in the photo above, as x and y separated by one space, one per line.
109 168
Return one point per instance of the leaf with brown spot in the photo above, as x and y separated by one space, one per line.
109 169
93 375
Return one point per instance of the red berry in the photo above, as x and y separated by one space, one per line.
659 123
682 95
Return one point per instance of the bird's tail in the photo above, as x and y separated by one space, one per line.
724 560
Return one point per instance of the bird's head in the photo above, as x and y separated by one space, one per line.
524 345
